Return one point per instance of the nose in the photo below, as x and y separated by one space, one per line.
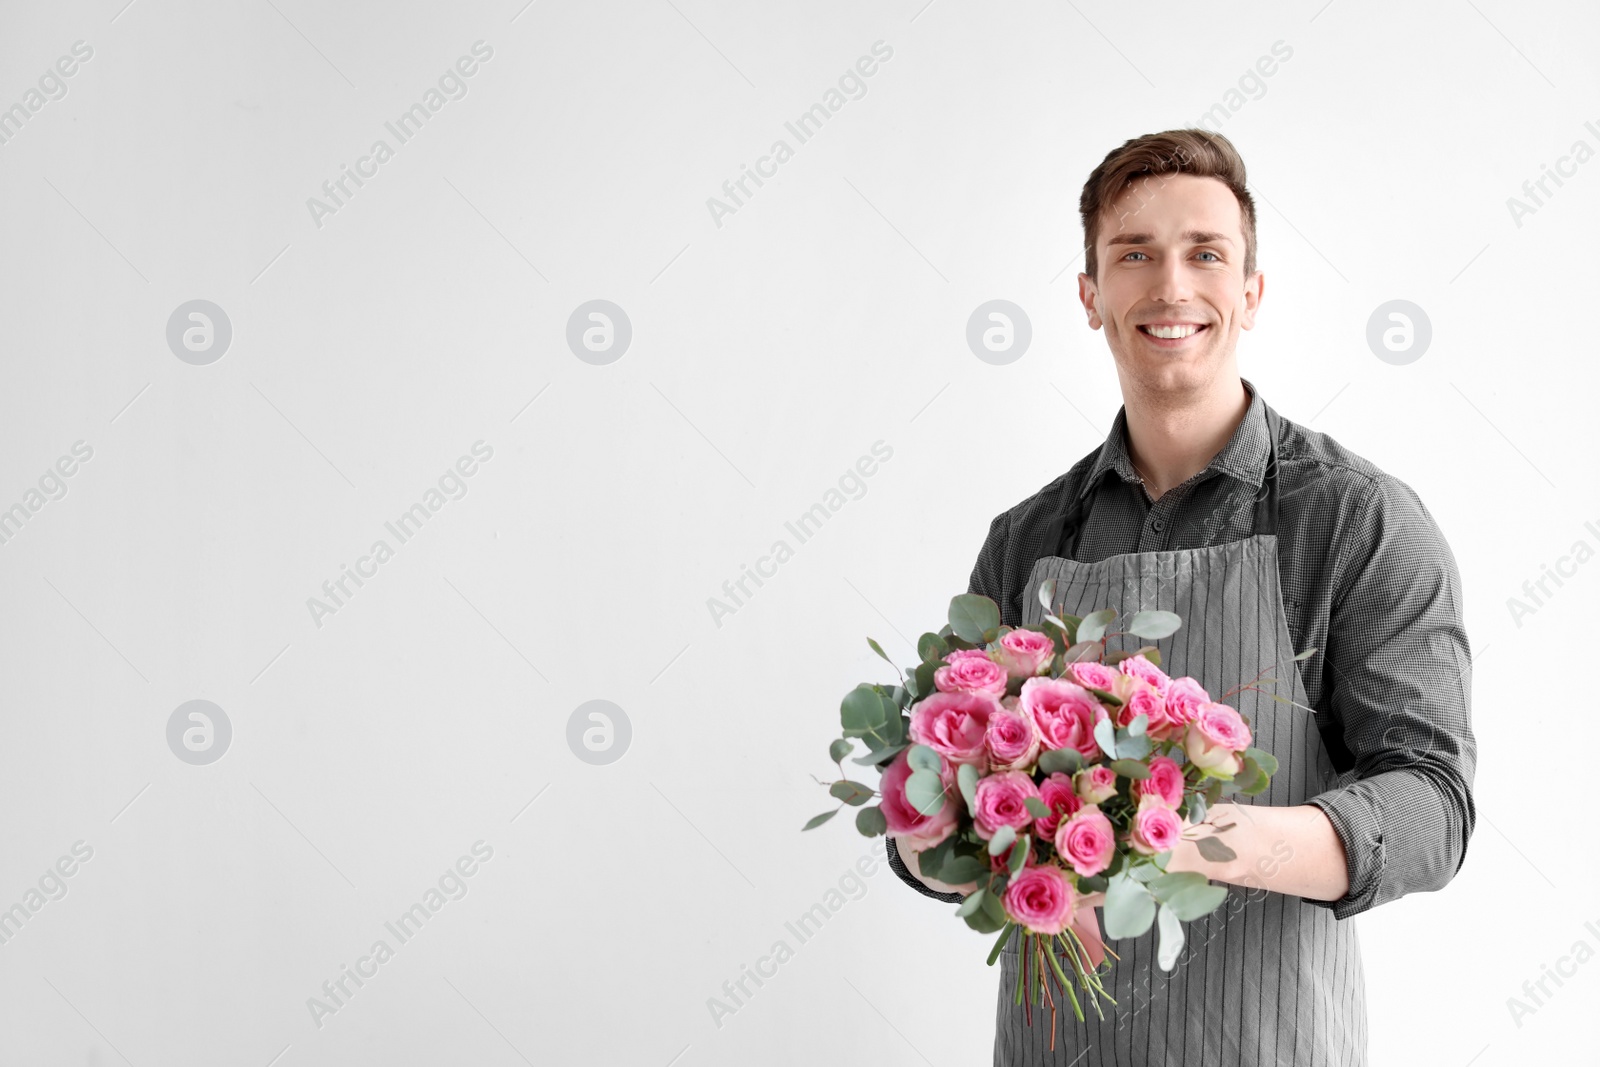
1170 283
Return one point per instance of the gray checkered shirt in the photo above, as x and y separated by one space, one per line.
1367 578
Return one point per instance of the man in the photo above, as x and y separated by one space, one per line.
1268 539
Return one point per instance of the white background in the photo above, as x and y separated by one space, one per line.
768 354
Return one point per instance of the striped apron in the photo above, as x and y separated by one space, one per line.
1266 979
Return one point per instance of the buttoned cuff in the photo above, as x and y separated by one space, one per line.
1359 828
898 866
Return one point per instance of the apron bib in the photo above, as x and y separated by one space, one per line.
1265 979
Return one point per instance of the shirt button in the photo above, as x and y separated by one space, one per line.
1156 524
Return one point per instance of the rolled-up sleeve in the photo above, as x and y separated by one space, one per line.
1398 679
985 581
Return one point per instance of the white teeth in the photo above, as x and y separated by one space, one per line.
1171 333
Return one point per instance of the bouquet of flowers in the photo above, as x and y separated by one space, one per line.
1039 774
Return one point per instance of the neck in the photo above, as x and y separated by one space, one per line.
1171 437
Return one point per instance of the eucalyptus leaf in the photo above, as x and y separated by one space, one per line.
967 780
1093 627
925 792
818 820
1065 760
971 616
1214 850
1306 654
840 749
931 648
1130 768
879 650
1195 902
1105 735
1132 746
923 758
1264 759
864 711
958 870
878 755
972 903
1154 625
852 793
993 908
1196 811
923 677
1140 723
1171 938
1105 696
1170 885
871 822
1002 840
1037 808
1047 592
1019 854
1129 908
1081 652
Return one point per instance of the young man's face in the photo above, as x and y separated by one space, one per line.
1171 253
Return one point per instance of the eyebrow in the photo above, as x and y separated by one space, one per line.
1202 237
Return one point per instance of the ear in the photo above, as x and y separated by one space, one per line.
1254 289
1089 294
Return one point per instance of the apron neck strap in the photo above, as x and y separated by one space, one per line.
1061 533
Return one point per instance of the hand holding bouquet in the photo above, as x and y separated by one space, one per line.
1041 776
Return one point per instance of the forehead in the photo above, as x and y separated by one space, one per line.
1164 207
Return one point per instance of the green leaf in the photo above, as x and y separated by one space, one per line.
967 780
1154 625
923 677
1105 735
864 711
971 616
1194 902
925 792
923 758
1146 873
840 749
973 901
1171 938
1170 885
1129 908
1140 723
818 820
1130 768
879 755
1081 652
1037 808
1093 627
1093 884
993 908
1264 759
879 650
959 870
1105 696
1214 850
1066 760
931 648
1047 592
1196 811
1002 840
1307 653
1000 942
1019 854
1132 746
852 793
871 823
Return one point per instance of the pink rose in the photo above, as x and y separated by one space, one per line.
1000 799
1065 713
1139 697
1165 782
954 724
966 653
1096 785
1096 674
1012 740
1025 653
1041 899
1087 841
1057 794
1185 697
978 674
913 830
1215 738
1141 668
1155 828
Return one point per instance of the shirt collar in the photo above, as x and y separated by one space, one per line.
1244 456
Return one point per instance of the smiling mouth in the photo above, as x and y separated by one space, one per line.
1173 333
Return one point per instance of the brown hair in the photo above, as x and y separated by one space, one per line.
1189 151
